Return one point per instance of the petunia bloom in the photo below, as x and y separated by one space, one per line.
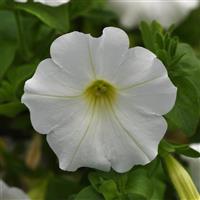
100 102
11 193
132 12
47 2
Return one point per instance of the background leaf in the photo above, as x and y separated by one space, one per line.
53 187
11 89
55 17
185 113
8 41
88 193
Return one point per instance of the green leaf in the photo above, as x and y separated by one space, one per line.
187 151
8 28
52 187
55 17
80 7
2 2
159 189
184 149
109 190
8 40
185 75
135 184
165 147
14 79
185 113
7 54
11 109
139 183
150 34
101 16
60 188
189 29
189 64
136 197
98 178
11 89
88 193
147 36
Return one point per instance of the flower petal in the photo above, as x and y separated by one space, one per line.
135 138
49 79
51 97
149 86
101 141
155 95
72 52
132 12
108 51
138 66
11 193
120 147
15 194
49 112
78 143
52 2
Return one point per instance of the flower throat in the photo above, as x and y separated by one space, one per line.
100 91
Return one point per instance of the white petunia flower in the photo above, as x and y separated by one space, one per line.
47 2
194 166
99 102
11 193
132 12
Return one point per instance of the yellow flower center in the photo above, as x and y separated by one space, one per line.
100 92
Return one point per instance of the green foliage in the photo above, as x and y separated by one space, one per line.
184 149
56 18
7 54
189 29
80 8
11 109
101 16
8 41
88 193
8 28
138 183
11 89
183 68
52 187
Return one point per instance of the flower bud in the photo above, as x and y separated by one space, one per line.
181 179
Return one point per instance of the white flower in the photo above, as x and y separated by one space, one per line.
194 166
11 193
47 2
132 12
99 102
